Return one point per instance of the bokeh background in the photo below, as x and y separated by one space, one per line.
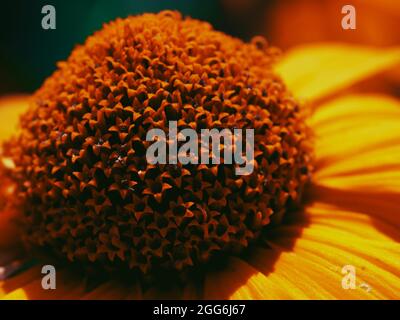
28 54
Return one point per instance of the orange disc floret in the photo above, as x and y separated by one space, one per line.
84 185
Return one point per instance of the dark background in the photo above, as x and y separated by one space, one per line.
28 54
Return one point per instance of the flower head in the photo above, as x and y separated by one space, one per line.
84 185
351 222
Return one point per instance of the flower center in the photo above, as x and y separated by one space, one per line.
85 187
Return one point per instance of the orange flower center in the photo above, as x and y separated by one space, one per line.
85 187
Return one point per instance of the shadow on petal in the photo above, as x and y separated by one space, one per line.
382 206
246 276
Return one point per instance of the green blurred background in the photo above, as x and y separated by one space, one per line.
29 54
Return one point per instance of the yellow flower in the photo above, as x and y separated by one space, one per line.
351 218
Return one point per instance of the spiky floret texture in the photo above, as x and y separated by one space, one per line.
84 185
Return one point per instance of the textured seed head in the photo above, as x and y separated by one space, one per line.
83 182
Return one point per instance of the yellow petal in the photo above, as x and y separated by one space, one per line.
358 152
314 71
240 280
358 142
18 281
27 286
310 266
68 286
11 109
382 207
